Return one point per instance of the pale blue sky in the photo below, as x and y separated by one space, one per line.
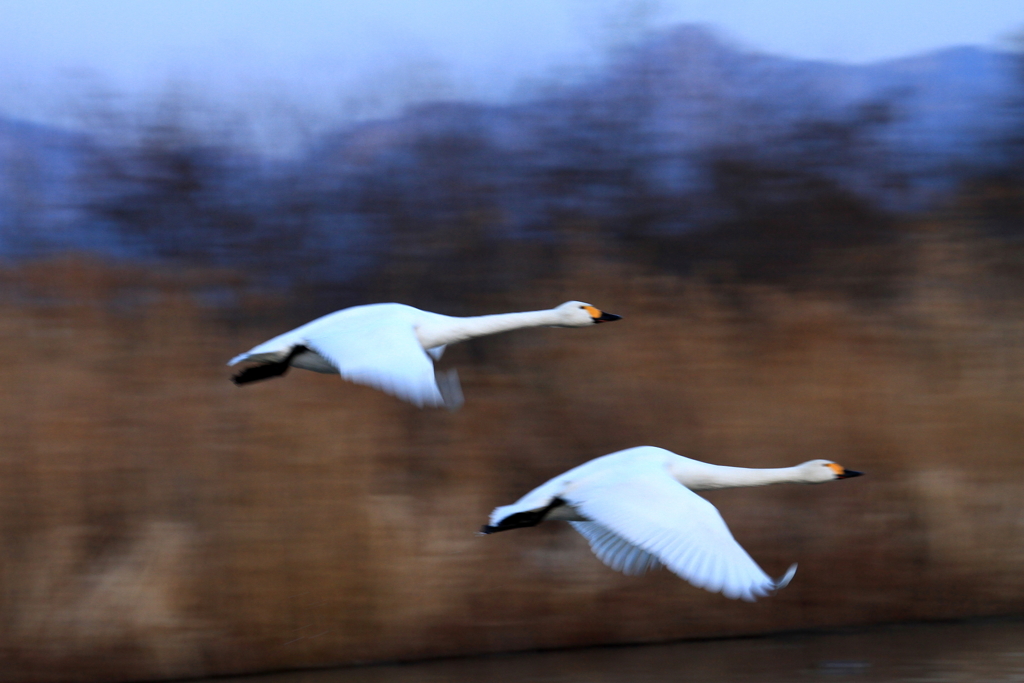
330 54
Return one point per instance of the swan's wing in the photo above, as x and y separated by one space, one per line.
381 353
650 510
615 551
450 388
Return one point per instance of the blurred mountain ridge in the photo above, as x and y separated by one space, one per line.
678 135
698 88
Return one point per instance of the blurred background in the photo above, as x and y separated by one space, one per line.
810 215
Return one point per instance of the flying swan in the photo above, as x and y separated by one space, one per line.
638 510
392 346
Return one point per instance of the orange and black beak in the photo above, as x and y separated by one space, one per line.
842 472
600 316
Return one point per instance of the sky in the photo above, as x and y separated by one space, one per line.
364 57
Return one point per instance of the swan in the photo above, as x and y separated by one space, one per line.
392 346
638 510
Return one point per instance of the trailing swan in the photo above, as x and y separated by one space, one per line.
392 346
638 510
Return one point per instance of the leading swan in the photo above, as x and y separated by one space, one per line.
392 346
638 510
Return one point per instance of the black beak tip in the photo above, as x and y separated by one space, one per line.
607 318
849 474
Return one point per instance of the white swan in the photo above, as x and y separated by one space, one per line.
638 510
386 346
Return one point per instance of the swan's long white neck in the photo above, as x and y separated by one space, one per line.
698 476
447 330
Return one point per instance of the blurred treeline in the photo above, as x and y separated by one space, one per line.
791 289
682 154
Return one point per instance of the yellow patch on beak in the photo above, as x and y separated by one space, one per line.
594 313
838 469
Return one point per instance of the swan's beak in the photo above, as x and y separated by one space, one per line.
607 317
848 474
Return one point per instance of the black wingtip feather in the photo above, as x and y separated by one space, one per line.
268 370
260 372
520 520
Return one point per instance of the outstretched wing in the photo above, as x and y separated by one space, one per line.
381 353
648 513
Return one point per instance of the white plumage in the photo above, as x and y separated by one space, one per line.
392 346
638 510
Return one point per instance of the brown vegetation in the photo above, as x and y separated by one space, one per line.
160 522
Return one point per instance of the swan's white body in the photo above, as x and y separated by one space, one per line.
392 346
638 510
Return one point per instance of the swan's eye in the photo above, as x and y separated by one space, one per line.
582 307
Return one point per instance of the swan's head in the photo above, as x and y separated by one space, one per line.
579 314
819 471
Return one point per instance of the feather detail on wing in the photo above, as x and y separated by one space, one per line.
652 513
384 354
615 551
